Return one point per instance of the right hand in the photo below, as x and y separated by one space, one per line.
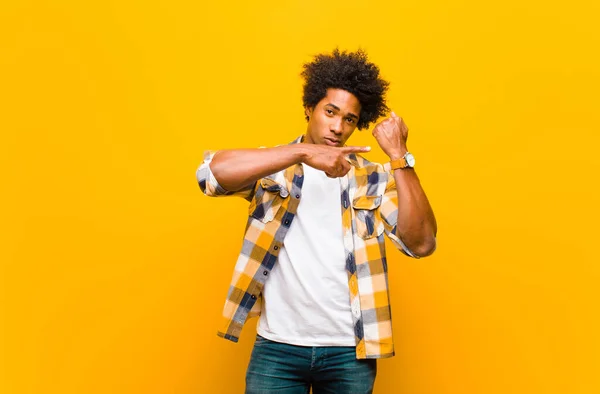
331 159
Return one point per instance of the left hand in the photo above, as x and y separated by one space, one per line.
391 135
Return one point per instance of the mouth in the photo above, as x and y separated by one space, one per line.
332 142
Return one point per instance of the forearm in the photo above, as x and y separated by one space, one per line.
416 225
237 168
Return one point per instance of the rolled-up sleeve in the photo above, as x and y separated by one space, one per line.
211 187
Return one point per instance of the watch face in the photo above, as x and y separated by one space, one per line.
410 160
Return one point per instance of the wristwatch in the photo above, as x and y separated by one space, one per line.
408 160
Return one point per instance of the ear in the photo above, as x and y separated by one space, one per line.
308 112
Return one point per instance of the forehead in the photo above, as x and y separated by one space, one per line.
344 100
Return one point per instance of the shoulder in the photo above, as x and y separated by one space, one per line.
377 177
364 164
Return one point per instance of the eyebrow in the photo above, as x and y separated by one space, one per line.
338 109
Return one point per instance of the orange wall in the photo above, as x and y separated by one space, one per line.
115 267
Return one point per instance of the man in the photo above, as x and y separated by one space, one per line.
313 262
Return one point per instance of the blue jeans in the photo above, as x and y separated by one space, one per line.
288 369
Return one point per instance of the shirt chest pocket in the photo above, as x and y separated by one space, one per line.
267 200
367 216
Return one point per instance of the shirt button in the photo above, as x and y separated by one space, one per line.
275 247
253 296
286 222
297 196
265 272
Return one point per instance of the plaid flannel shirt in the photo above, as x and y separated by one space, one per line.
369 207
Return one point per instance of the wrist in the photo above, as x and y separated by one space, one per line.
300 152
406 161
398 154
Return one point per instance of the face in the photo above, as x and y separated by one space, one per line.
333 120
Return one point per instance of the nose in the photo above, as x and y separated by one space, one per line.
336 126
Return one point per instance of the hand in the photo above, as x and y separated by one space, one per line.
330 159
391 135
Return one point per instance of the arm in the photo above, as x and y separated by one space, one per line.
238 169
416 225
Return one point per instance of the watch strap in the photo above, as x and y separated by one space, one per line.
398 163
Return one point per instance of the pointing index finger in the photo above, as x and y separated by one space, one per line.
356 149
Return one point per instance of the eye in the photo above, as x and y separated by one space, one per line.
329 112
350 120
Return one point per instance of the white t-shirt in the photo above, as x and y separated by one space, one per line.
306 299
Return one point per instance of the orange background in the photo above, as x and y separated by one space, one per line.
114 266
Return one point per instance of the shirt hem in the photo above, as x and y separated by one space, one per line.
300 342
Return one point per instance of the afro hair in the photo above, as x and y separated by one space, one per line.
349 71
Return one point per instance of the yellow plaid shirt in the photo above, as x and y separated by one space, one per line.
369 206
